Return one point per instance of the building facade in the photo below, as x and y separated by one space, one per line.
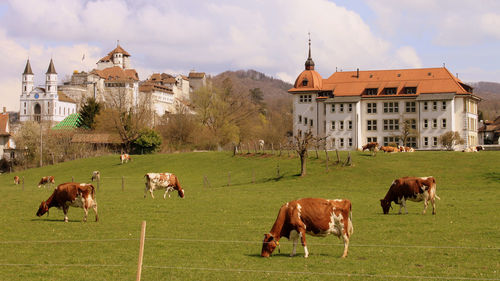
43 103
413 107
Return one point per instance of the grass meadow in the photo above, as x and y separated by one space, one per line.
215 233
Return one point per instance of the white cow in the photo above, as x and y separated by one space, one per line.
166 181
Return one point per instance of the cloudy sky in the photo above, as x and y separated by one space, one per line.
266 35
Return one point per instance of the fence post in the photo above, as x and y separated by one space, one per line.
338 157
141 251
23 183
123 183
72 179
278 169
248 148
272 149
326 158
253 176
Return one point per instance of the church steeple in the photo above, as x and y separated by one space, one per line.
27 69
51 69
309 62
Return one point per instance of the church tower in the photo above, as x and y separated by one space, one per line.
28 83
51 80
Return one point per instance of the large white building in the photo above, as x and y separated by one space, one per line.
43 103
353 108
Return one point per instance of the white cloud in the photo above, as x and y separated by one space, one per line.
408 57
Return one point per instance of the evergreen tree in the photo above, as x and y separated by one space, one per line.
88 112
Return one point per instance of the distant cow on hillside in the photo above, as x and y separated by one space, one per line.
71 194
125 158
46 180
16 180
96 175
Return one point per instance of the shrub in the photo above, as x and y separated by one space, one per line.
148 142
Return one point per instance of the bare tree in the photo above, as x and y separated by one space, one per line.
450 139
302 142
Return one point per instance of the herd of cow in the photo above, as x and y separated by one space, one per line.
314 216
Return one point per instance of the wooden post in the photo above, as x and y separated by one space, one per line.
248 148
123 183
253 176
72 179
272 148
280 151
23 183
278 169
338 157
141 251
326 158
53 160
348 160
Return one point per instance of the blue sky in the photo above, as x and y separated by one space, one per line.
266 35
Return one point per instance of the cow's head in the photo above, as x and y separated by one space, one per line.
180 192
268 245
44 208
386 205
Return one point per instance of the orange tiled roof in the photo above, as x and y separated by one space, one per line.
426 80
63 97
149 86
116 73
196 74
118 49
162 79
314 82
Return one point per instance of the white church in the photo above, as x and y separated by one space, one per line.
43 104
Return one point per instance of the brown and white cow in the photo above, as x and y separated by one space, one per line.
389 149
46 180
96 175
314 216
125 158
71 194
414 189
16 180
406 149
166 181
371 146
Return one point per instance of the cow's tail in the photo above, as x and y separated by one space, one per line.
434 189
350 228
92 191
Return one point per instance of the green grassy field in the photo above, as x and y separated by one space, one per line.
215 233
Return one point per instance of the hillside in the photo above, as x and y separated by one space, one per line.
244 80
490 93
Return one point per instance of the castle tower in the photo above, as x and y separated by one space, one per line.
27 84
51 80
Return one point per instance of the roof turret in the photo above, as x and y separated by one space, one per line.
51 69
27 69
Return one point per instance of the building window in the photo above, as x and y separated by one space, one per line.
391 124
304 82
333 108
443 106
371 139
341 125
371 91
434 105
434 123
333 125
411 90
341 142
24 104
349 142
371 107
411 106
300 118
25 112
305 98
391 107
390 91
311 122
434 141
426 123
305 121
371 125
411 142
443 123
412 123
390 140
425 105
349 125
349 108
426 141
341 107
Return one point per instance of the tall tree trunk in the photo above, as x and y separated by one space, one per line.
303 160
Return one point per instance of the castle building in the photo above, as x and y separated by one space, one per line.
413 107
43 103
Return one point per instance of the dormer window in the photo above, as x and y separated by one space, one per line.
410 90
304 82
371 91
390 91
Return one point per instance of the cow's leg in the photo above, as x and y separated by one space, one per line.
65 211
426 203
404 205
303 240
86 211
151 191
165 194
294 235
433 202
346 243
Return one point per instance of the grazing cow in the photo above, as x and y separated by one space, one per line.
314 216
389 149
125 158
470 149
410 188
72 194
479 148
46 180
163 180
16 180
406 149
96 175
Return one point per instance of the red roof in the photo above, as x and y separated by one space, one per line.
118 49
116 73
